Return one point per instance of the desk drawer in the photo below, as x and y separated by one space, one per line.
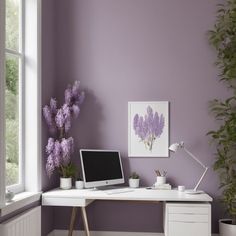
188 229
188 210
188 218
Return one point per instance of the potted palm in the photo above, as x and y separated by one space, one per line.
134 180
223 39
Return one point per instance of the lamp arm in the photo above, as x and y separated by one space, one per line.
200 180
200 163
195 158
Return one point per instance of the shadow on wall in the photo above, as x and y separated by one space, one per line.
87 133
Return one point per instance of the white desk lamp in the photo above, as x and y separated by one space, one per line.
174 147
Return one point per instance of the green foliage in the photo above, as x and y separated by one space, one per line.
134 175
12 75
68 171
12 24
11 105
11 92
12 151
223 39
11 173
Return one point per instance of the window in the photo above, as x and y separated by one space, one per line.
14 105
20 96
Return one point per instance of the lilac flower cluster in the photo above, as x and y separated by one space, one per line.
60 118
59 154
148 128
59 121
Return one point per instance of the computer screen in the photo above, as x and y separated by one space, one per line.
101 167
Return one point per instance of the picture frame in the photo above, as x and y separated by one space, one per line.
148 129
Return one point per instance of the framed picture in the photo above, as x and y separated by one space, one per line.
148 129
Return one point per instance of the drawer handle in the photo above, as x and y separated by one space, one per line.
190 222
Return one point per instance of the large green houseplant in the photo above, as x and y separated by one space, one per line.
223 39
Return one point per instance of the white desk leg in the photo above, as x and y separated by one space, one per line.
85 220
72 220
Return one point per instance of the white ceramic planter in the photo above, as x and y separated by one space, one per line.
133 183
79 184
65 183
226 228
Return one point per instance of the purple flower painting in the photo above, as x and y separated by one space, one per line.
148 129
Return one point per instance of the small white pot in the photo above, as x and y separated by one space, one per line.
79 184
65 183
9 196
133 183
226 228
160 180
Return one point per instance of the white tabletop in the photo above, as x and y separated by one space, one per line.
76 197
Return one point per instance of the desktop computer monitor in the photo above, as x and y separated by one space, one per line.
101 167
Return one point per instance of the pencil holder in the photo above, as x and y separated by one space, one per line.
160 180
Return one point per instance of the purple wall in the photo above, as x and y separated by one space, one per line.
48 90
137 50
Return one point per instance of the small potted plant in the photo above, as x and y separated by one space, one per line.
67 173
79 183
134 180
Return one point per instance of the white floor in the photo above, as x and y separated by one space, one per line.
102 233
105 233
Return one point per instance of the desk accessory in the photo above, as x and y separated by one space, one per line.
181 188
174 147
161 180
9 196
164 186
79 184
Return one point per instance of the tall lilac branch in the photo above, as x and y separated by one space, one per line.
59 119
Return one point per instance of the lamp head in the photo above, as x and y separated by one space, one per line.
174 147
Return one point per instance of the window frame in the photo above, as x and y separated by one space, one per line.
31 88
2 102
19 187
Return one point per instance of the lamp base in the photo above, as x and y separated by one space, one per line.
192 191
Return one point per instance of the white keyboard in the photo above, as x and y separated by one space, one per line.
118 190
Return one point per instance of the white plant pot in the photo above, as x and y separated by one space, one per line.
226 228
65 183
79 184
133 183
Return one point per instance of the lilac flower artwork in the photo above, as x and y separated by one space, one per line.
59 119
148 128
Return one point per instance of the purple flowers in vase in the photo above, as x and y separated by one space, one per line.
60 148
149 128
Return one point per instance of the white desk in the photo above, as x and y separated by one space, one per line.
179 207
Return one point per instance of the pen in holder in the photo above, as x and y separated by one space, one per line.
161 177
